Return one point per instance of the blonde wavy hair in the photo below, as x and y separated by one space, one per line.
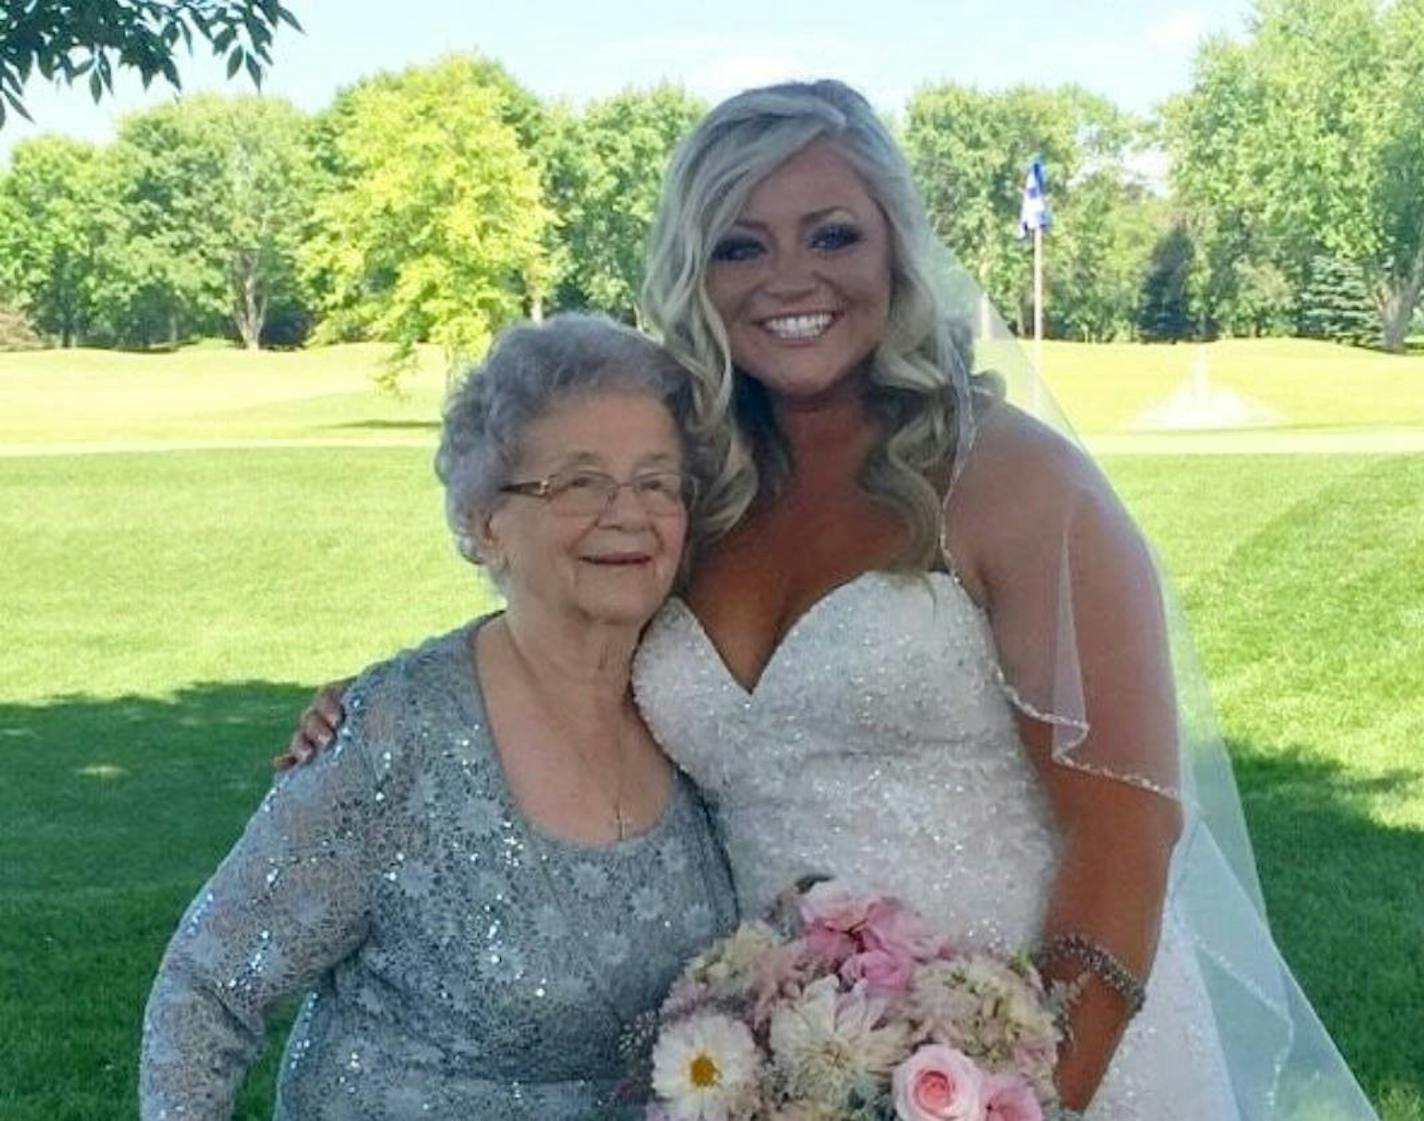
917 383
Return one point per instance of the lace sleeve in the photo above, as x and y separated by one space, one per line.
289 901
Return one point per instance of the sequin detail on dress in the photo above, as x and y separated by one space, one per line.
879 747
459 963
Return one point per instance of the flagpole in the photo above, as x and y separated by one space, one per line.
1033 219
1038 319
1038 298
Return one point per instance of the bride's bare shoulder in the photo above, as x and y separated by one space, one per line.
1025 486
1017 461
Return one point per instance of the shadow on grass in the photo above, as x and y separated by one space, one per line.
1346 903
107 775
115 810
112 813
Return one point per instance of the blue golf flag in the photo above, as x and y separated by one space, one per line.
1033 213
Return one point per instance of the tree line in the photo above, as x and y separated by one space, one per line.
437 204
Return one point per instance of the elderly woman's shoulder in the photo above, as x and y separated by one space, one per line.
387 695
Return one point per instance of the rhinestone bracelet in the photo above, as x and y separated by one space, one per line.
1103 964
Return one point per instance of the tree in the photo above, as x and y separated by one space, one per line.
1265 300
604 172
56 217
68 39
431 221
969 149
1307 140
1400 279
216 198
1101 249
1164 315
1335 303
269 180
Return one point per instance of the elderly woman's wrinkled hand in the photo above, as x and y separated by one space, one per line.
317 725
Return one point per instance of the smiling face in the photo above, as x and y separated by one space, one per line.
802 279
613 567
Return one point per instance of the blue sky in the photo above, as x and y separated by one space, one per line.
1134 53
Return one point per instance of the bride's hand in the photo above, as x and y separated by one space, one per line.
317 725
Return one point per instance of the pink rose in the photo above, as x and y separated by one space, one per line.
1007 1097
937 1083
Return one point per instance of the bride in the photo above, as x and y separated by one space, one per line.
928 654
931 656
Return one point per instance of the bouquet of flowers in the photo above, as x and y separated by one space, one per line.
853 1009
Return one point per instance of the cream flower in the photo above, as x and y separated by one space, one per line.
735 954
805 1111
827 1042
990 1010
946 1002
705 1069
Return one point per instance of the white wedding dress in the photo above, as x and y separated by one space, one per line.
879 747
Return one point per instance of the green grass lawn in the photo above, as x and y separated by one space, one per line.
205 393
1308 384
165 615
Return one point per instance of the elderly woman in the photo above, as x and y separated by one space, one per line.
490 881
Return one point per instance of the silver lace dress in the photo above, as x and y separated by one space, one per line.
879 747
458 963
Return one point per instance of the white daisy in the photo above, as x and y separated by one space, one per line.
705 1069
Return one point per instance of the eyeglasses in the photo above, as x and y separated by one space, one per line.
589 493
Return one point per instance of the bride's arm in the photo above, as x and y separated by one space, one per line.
1108 891
1074 603
317 725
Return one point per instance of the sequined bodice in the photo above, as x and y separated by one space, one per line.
877 746
460 962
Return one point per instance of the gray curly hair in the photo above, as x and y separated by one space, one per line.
918 384
527 371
